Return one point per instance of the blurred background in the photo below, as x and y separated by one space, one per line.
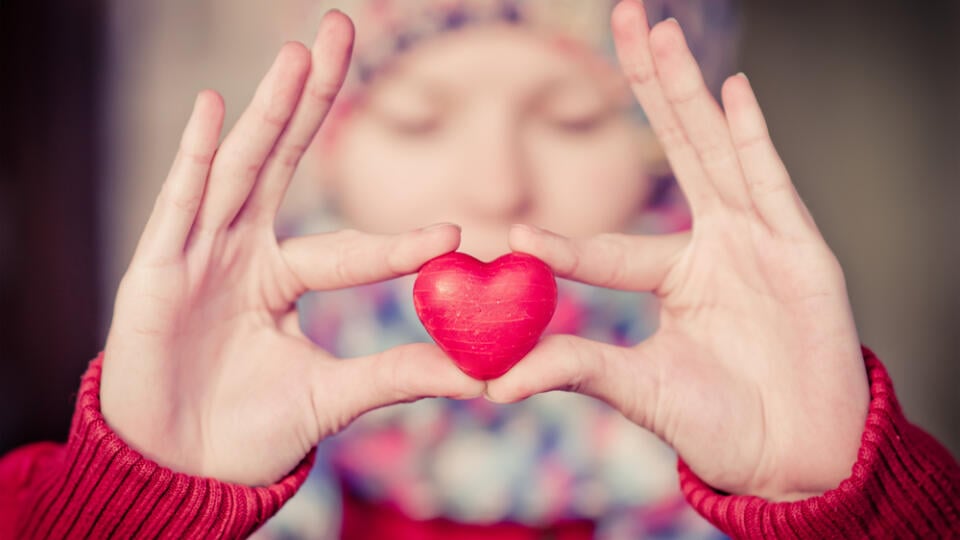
863 101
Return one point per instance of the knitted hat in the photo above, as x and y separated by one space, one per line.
387 28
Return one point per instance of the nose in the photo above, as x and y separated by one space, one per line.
496 169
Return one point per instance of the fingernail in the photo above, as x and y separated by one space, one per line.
673 19
487 397
438 226
527 227
744 75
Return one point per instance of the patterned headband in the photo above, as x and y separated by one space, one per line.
386 28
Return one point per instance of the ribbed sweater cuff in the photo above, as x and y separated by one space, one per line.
904 484
105 488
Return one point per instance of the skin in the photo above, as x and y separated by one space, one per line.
205 368
755 375
485 128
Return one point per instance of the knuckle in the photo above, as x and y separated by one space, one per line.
715 153
188 204
615 250
195 157
234 163
751 142
617 276
581 365
272 116
672 136
684 95
323 93
183 202
391 375
252 169
396 262
274 119
639 73
345 246
341 269
573 262
766 187
290 154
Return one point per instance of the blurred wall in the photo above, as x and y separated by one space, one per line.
862 100
51 61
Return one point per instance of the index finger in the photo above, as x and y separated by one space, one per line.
348 258
617 261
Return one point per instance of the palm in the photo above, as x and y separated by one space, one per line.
738 300
207 323
755 374
205 369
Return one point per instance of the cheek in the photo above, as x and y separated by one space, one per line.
590 183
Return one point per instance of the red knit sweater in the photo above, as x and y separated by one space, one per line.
904 484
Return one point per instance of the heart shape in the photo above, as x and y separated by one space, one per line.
485 316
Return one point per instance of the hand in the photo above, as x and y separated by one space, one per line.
755 375
205 369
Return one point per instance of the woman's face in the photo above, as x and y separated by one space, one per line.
488 127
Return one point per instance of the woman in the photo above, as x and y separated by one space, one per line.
487 114
755 375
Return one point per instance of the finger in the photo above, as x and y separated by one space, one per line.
246 147
348 258
330 59
768 182
176 206
625 378
698 112
617 261
398 375
631 36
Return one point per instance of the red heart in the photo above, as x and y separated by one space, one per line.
485 316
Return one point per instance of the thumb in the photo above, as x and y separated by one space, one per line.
625 378
398 375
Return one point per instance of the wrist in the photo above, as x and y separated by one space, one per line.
816 440
903 483
140 418
103 487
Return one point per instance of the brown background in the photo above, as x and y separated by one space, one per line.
863 99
